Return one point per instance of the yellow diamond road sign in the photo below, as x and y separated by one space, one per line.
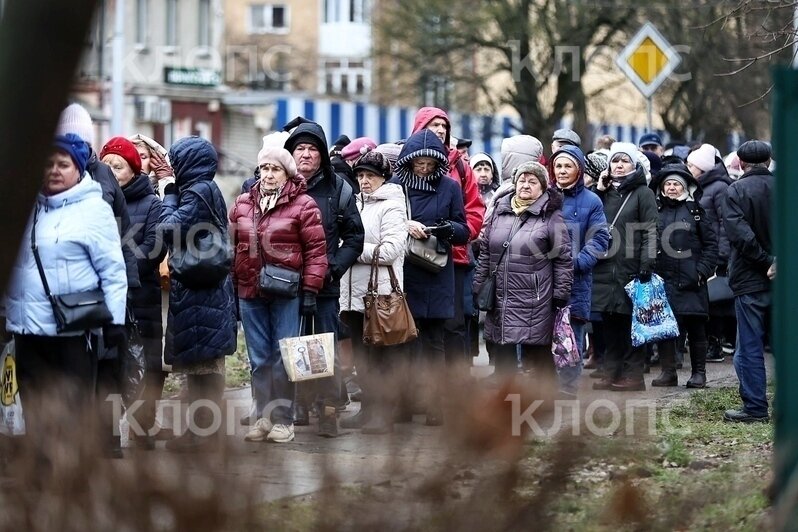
648 59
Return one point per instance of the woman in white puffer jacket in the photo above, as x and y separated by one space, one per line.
384 214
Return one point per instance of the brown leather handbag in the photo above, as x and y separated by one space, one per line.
386 319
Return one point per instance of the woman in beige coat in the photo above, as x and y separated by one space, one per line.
383 211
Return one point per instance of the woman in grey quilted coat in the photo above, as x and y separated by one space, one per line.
533 278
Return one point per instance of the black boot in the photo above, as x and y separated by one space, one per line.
668 376
379 422
328 421
698 362
301 415
714 351
357 421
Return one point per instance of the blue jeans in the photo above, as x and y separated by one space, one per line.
569 376
753 319
328 390
265 323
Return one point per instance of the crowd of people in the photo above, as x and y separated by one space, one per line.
537 232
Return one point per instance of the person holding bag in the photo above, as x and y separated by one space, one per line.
526 255
382 209
279 266
201 321
70 252
144 208
688 254
435 209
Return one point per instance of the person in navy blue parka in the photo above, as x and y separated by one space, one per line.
583 214
435 201
201 324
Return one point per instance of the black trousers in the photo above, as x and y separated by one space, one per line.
455 331
621 359
695 328
538 358
427 361
378 368
60 371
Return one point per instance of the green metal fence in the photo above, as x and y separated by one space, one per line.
785 295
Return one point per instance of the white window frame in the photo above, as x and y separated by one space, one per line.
142 33
333 79
204 24
268 14
171 39
332 11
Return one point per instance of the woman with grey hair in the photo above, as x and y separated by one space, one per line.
526 243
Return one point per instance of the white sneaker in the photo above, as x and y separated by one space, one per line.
281 433
259 430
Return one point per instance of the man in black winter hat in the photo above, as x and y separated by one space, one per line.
751 270
344 233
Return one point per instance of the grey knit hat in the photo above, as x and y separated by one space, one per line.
534 168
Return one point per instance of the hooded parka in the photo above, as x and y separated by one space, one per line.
201 324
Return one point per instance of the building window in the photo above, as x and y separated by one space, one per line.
332 9
355 11
204 19
345 77
142 21
171 22
268 18
358 11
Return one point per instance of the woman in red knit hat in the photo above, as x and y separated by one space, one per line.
144 208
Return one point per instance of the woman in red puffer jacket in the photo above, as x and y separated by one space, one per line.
275 223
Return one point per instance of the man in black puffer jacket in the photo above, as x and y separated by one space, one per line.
751 269
344 233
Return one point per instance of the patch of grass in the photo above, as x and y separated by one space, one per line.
236 371
237 365
292 515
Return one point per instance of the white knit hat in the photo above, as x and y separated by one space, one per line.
703 158
75 119
626 148
280 156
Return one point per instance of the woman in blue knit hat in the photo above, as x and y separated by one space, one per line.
78 249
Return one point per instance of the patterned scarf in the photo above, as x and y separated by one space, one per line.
268 198
404 170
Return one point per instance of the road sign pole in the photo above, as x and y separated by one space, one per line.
649 115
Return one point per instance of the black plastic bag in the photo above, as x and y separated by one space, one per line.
132 363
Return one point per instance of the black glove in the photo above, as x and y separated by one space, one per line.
444 230
114 335
701 279
722 270
644 276
560 303
308 303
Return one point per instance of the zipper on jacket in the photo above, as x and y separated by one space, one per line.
506 272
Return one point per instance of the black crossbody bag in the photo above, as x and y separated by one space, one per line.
486 297
275 280
75 312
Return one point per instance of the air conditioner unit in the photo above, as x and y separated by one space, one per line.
152 109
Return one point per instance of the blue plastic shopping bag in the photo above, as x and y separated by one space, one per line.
652 316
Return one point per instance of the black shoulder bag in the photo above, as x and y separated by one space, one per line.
274 280
486 297
76 312
206 263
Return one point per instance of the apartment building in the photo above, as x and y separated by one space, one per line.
173 68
